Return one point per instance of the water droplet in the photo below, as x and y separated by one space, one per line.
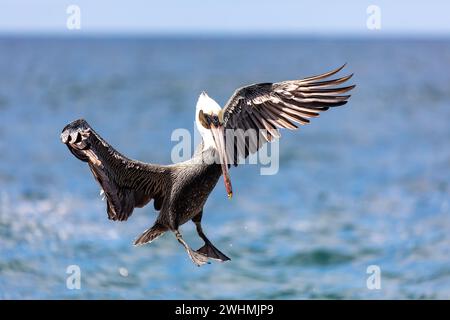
123 272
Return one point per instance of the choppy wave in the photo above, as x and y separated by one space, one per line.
364 185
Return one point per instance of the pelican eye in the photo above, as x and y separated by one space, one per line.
215 120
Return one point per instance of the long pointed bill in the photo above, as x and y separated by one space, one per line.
219 139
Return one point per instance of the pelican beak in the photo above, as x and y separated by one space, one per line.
218 133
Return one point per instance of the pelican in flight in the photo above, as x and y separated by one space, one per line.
179 191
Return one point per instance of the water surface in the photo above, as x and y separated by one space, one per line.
367 184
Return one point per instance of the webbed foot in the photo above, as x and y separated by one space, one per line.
212 252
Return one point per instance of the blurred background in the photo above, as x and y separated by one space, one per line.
366 184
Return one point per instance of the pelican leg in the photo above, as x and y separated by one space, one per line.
198 258
208 249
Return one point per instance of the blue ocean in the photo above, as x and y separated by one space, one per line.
367 184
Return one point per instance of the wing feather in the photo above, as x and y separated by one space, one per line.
268 107
127 183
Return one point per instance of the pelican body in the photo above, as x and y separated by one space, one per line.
179 191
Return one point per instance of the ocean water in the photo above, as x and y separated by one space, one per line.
365 184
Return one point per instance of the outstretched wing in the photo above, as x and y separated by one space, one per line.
127 184
267 107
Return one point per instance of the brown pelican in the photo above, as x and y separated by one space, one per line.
179 191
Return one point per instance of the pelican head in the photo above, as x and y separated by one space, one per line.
209 120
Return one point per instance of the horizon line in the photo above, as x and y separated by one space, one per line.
367 35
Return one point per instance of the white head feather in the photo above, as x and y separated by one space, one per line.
208 106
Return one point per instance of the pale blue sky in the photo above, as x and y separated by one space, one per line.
226 16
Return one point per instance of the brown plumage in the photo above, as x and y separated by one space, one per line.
179 191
